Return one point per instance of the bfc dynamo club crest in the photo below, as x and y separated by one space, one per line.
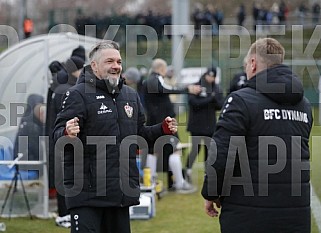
129 110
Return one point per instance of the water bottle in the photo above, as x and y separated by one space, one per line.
2 226
147 177
138 163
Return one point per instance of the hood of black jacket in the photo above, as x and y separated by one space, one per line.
279 84
32 101
88 76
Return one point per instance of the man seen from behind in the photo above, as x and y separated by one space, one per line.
258 167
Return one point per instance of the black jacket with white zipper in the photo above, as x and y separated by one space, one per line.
104 174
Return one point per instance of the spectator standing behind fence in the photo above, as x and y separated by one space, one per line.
255 12
283 14
241 14
258 167
32 126
315 13
303 10
105 117
202 116
218 18
198 17
273 18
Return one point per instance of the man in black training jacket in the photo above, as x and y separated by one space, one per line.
258 167
102 119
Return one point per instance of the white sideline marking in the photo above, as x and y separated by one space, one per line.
316 208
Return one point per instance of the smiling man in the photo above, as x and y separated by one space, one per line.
97 130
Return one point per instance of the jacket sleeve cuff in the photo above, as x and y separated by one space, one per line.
165 128
205 191
65 132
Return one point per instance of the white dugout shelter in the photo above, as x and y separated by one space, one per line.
24 71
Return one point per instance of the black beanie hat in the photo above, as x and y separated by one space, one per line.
211 71
79 52
74 63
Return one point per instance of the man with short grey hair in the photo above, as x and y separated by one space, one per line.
98 129
158 105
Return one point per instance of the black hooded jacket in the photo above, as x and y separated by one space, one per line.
31 127
157 101
259 161
62 84
203 107
104 174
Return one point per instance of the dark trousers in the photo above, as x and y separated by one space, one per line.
100 220
62 208
196 147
